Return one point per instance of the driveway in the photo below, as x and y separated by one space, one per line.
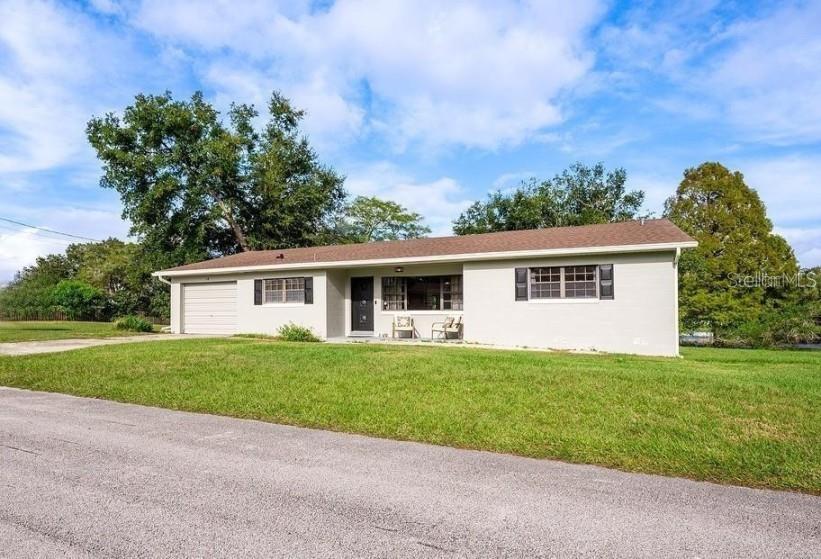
53 346
84 477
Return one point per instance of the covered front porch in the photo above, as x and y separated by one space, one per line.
407 302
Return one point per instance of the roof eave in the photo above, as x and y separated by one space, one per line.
445 258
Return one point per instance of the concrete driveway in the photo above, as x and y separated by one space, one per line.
53 346
83 477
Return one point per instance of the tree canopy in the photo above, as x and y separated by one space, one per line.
580 195
369 218
194 187
728 219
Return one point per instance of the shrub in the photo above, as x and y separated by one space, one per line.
295 333
788 325
79 300
133 323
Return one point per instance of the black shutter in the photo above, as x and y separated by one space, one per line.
309 291
606 281
257 292
521 284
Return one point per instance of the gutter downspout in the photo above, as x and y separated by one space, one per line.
168 283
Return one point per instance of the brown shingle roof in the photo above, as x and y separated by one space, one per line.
653 231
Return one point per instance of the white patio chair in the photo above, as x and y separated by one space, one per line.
450 325
403 324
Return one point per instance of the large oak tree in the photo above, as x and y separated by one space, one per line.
194 186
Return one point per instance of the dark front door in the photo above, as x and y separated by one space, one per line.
362 304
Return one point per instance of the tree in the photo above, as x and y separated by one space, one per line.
123 271
45 272
79 300
194 187
28 295
811 285
369 219
722 283
107 265
581 195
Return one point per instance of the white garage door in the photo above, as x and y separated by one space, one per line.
209 308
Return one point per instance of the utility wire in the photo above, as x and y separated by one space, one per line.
49 230
40 234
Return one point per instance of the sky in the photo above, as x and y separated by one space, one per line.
427 103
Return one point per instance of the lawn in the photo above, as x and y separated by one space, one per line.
730 416
30 331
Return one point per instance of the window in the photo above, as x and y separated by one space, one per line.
394 294
580 282
546 283
568 282
425 293
452 293
284 290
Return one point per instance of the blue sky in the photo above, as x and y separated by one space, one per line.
431 104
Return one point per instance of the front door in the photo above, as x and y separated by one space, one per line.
362 304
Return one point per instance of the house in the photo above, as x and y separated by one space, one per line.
610 287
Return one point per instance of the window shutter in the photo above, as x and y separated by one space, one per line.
258 292
606 281
521 284
309 290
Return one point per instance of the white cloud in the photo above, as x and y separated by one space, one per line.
510 181
790 187
250 27
38 109
806 242
58 67
331 120
481 75
20 248
657 188
758 71
659 38
770 78
439 201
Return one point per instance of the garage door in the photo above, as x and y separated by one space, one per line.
209 308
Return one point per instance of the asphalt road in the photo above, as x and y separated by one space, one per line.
81 477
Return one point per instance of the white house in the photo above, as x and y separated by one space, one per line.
610 287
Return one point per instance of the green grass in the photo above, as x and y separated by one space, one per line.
31 331
748 417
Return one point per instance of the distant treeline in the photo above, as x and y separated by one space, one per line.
91 281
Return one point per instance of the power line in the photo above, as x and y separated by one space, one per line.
50 230
40 234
